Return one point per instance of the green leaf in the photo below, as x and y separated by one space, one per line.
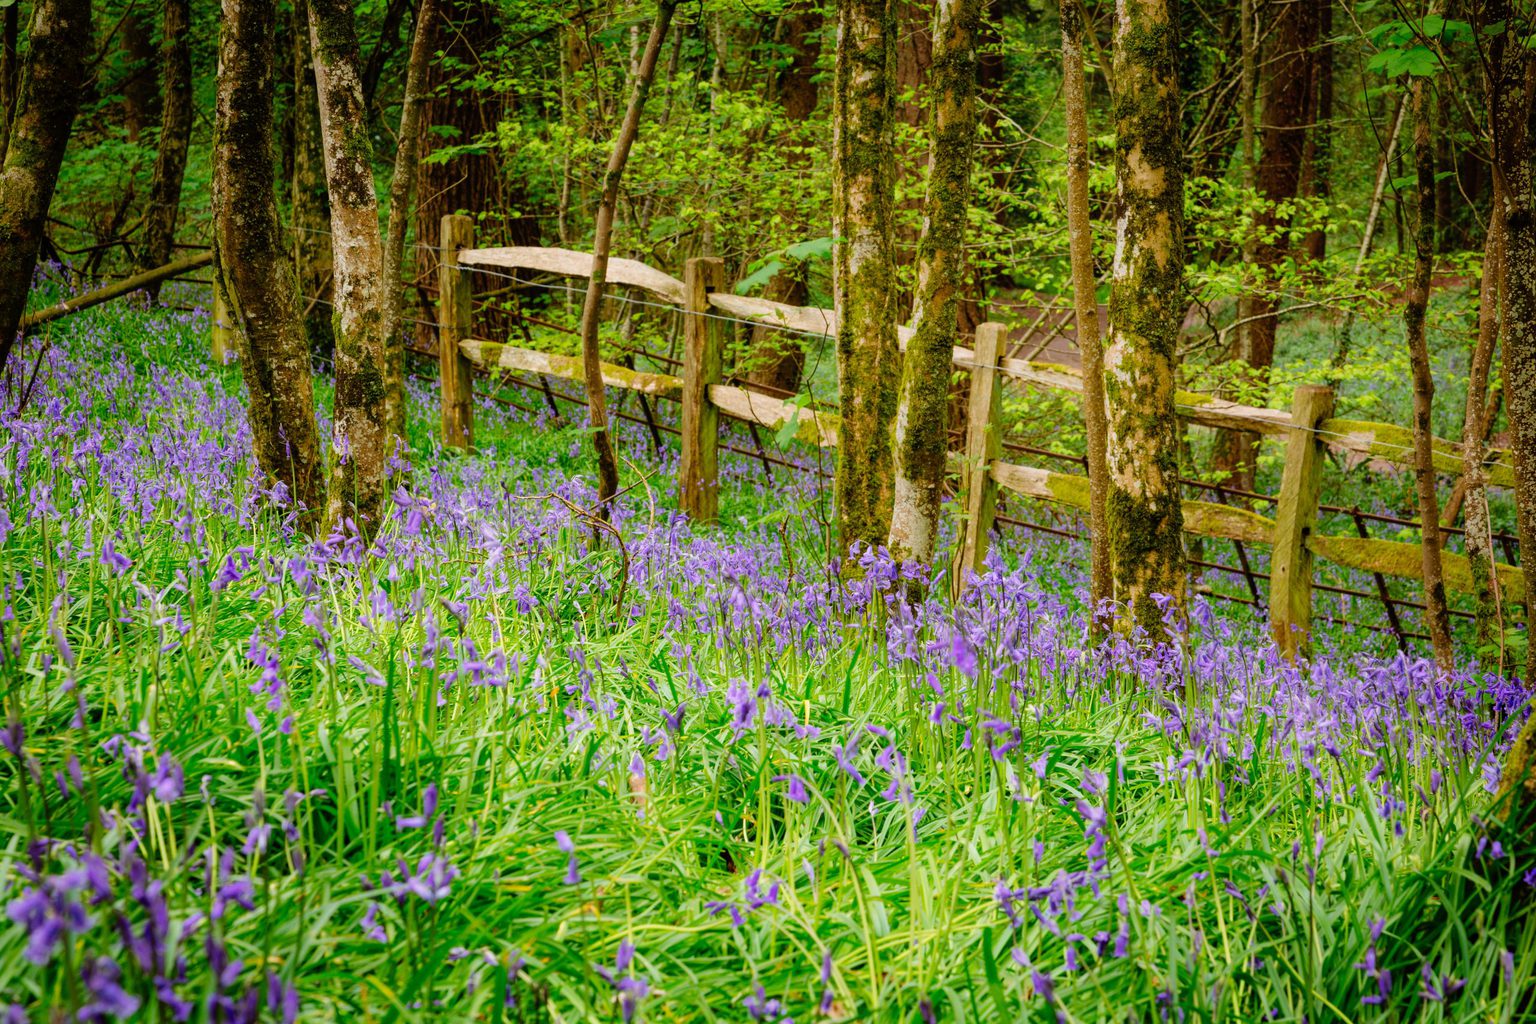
759 277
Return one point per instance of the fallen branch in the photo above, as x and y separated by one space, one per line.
117 288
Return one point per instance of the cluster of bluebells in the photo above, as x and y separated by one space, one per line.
472 601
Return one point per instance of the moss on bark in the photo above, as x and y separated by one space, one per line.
361 443
922 414
1146 307
863 271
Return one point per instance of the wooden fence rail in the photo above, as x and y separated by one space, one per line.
1309 428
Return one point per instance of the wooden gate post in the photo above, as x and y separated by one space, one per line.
983 444
698 482
454 309
1290 567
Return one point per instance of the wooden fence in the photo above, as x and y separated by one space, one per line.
1309 429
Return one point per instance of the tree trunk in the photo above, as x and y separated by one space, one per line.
1436 616
1510 105
1508 99
10 70
402 190
1278 177
602 242
1085 299
45 112
360 443
864 278
456 112
1320 138
310 232
254 268
1146 518
159 243
141 98
922 410
1474 431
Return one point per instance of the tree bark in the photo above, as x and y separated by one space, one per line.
402 190
10 70
1277 180
360 443
1319 168
255 270
1474 431
1509 103
1436 615
159 243
922 410
141 99
1145 309
602 243
311 228
456 112
1086 304
863 277
45 112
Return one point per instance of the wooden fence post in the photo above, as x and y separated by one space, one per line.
1290 568
983 444
698 483
454 308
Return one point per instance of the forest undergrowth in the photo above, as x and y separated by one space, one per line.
485 768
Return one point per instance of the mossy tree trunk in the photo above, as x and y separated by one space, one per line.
10 70
360 444
1474 433
402 190
863 270
310 228
1510 66
1074 90
602 244
1145 309
1436 614
1512 163
45 111
164 204
922 410
254 270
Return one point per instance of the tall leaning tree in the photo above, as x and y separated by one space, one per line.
46 104
863 267
175 135
1146 305
602 245
1074 94
254 268
922 411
